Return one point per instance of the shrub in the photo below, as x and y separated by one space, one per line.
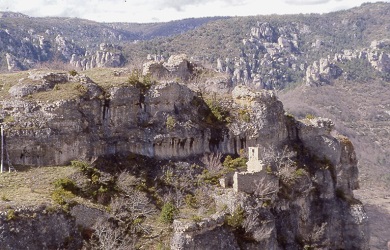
168 213
231 164
142 82
4 198
81 89
196 218
82 165
66 184
61 196
244 115
300 172
236 219
218 113
73 72
9 119
88 170
170 123
11 214
191 201
209 178
310 117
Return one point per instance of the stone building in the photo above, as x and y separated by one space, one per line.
254 163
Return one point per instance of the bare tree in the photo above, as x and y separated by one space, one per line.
260 229
108 237
266 188
315 238
212 161
179 181
278 158
133 205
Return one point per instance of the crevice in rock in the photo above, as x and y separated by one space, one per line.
106 106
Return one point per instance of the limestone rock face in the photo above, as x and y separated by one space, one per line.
37 83
267 121
12 62
268 59
124 119
316 210
38 229
107 56
66 47
177 66
206 234
311 203
322 72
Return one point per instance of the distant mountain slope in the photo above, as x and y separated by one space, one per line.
29 41
277 48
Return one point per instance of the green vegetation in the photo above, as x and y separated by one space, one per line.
11 214
66 184
64 192
310 117
209 178
81 89
73 72
235 164
236 219
190 201
244 115
170 122
168 213
31 186
5 198
140 81
9 119
358 70
218 113
62 197
300 172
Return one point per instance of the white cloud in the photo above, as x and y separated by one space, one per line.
165 10
306 2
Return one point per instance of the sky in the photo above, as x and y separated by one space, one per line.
144 11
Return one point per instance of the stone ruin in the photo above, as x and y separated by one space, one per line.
248 181
254 163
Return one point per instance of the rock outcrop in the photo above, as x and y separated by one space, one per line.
177 66
38 228
328 69
322 72
107 56
300 201
312 206
268 58
12 63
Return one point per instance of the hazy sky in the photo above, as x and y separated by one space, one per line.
166 10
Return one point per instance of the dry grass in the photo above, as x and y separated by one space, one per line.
67 91
104 77
108 77
8 80
29 187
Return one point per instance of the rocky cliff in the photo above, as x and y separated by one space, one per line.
302 198
312 206
126 118
38 228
